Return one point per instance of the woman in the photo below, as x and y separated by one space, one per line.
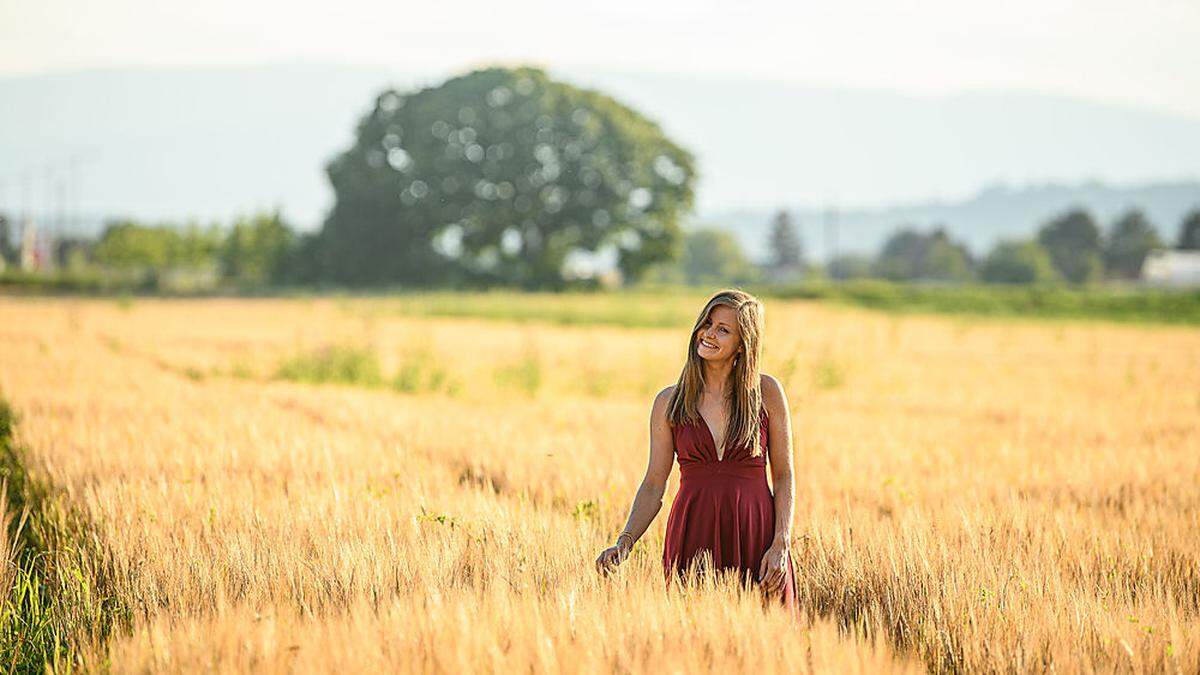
724 421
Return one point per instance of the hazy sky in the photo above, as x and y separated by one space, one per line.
1145 53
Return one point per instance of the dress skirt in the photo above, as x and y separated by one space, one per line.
724 509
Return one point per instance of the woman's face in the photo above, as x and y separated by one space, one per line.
719 336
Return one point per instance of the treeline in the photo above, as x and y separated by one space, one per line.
263 250
256 250
1069 248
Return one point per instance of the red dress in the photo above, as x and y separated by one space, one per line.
723 505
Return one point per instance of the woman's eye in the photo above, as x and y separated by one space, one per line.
724 330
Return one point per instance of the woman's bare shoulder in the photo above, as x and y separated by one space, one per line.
772 393
765 381
662 401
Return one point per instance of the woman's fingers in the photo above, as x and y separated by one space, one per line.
775 579
769 586
609 558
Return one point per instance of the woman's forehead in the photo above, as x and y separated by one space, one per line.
723 314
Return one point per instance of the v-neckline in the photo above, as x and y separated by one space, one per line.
712 438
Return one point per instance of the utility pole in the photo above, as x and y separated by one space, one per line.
46 241
74 181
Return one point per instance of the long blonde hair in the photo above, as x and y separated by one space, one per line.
744 404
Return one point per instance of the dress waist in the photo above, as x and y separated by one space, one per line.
704 471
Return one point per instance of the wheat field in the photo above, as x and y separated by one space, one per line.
972 495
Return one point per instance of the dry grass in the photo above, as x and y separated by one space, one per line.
984 496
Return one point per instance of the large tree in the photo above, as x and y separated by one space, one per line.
1130 239
1073 242
499 174
1189 231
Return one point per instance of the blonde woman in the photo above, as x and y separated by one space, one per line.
726 423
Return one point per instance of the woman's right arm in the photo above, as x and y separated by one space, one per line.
648 500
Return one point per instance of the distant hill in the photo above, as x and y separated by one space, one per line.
998 212
211 142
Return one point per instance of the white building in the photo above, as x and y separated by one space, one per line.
1175 268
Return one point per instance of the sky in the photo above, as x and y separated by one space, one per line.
1143 54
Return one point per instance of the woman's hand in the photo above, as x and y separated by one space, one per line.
614 555
773 570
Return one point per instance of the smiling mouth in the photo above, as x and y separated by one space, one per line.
708 344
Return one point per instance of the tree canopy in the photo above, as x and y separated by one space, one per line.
128 245
849 266
1073 242
713 256
785 248
1189 231
258 249
909 254
1017 262
499 174
1131 238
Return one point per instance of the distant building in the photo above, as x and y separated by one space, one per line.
1175 268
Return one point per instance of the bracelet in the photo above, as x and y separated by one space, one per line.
626 534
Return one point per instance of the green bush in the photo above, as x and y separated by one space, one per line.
525 375
58 585
341 364
420 371
1018 262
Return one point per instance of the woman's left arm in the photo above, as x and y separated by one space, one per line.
779 454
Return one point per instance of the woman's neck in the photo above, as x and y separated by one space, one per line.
716 378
